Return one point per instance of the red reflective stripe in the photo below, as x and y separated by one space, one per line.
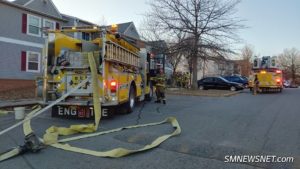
24 23
23 61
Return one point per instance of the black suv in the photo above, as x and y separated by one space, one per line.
218 83
237 79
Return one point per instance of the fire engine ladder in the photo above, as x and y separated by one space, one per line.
119 54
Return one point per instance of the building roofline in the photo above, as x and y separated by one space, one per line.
131 23
27 3
82 20
55 8
123 23
30 10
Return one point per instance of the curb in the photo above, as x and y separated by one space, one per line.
232 94
203 94
6 104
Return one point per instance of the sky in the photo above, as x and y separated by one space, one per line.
273 25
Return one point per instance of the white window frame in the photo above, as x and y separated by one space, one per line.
40 24
90 36
44 24
39 62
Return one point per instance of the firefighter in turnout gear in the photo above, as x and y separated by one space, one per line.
160 81
256 85
186 80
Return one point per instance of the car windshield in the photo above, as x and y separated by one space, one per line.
240 78
244 78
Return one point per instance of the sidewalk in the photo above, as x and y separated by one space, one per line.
208 93
19 102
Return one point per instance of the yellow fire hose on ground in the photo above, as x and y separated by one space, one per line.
51 137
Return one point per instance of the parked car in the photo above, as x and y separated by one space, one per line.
218 83
238 79
294 86
287 83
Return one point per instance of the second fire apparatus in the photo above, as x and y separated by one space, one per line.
123 71
269 75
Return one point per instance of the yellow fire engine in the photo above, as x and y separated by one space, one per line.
268 74
122 66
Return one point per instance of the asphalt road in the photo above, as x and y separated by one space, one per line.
244 124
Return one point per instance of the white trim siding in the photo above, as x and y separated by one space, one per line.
128 27
29 2
21 42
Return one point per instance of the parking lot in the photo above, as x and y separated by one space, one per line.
212 127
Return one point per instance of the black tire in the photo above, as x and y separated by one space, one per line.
132 100
201 87
233 88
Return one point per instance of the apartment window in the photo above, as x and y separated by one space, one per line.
86 36
34 25
33 62
47 24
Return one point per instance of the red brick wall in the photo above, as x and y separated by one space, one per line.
16 89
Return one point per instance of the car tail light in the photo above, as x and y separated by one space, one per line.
278 71
113 86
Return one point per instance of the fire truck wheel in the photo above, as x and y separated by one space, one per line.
131 103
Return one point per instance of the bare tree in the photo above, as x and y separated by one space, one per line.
174 57
209 24
149 30
175 42
289 60
176 50
247 53
102 21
